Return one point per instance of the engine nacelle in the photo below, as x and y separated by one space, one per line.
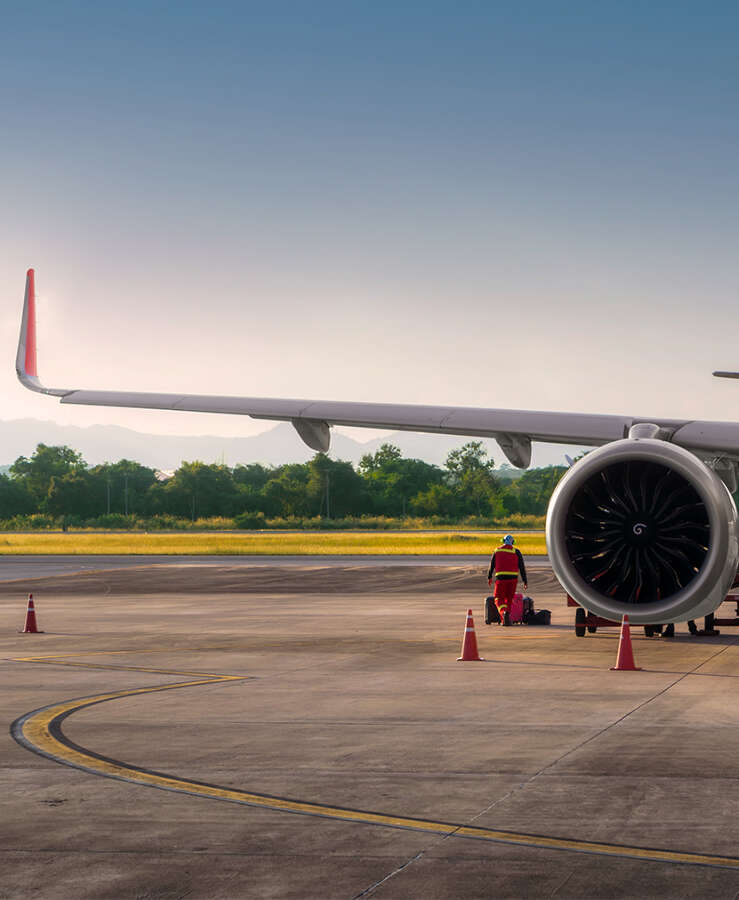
643 527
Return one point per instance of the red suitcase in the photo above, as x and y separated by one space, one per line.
515 613
521 610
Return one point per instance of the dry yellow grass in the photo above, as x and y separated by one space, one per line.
257 543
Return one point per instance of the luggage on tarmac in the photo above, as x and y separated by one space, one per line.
521 612
492 616
540 617
528 610
515 613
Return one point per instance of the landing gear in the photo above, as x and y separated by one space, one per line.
708 630
580 622
669 631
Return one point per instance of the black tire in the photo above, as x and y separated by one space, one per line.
692 627
669 631
658 628
649 630
592 629
580 622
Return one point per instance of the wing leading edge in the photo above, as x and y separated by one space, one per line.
513 429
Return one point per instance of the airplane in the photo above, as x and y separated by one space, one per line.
645 524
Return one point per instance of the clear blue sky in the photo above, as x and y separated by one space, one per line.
368 201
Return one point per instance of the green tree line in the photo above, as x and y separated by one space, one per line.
56 484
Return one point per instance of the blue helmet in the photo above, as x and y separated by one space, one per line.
508 539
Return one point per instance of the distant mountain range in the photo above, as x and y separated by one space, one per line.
280 444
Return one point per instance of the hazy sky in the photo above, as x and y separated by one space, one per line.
520 204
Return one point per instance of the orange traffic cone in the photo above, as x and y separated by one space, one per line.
469 643
625 659
31 627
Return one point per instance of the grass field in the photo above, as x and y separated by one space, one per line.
256 543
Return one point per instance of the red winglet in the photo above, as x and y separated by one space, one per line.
25 358
31 324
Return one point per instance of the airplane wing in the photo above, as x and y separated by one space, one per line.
513 429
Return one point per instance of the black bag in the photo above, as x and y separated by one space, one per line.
492 616
528 610
540 617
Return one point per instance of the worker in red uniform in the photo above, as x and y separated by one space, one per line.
506 565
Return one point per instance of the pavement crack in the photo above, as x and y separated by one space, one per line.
602 731
631 712
561 884
368 890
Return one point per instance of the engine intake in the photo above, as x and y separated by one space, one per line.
643 527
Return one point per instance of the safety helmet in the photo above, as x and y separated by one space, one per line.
508 539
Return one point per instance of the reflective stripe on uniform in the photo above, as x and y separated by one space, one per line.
504 561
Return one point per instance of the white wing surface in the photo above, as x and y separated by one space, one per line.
513 429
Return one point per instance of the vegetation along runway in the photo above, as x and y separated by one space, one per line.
307 543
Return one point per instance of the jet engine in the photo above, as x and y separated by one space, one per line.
642 526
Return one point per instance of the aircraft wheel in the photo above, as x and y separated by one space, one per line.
649 630
692 627
669 631
592 629
580 622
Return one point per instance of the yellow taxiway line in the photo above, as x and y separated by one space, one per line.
41 732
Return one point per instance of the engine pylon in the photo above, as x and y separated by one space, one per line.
625 659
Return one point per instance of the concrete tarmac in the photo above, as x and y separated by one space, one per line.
33 566
328 743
